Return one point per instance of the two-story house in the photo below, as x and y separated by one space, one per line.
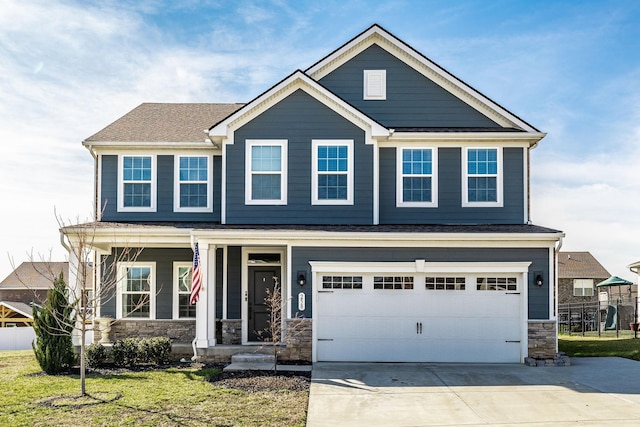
389 198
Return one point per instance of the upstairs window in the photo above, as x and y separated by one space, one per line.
266 172
582 287
482 180
332 177
192 192
375 84
417 177
137 192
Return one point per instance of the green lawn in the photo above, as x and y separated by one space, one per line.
578 346
169 397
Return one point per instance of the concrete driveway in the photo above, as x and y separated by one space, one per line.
591 392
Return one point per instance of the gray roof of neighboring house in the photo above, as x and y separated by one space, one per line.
580 265
35 275
165 122
19 307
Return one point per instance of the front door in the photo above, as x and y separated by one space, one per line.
260 279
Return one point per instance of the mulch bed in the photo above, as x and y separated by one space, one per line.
256 381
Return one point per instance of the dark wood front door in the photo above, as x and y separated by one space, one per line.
260 279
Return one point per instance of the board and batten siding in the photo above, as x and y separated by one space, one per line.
299 119
450 210
165 187
539 257
412 100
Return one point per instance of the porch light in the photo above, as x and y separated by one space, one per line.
539 281
302 278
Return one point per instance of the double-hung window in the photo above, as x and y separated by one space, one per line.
136 290
482 177
182 291
192 190
266 172
136 179
417 179
582 287
332 174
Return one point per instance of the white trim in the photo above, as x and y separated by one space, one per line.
525 183
376 184
152 183
374 84
177 182
98 190
315 144
176 289
246 250
400 175
248 196
121 283
499 179
223 186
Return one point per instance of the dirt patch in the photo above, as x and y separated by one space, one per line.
256 381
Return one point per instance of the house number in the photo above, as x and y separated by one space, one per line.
301 301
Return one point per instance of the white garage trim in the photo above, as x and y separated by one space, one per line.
421 268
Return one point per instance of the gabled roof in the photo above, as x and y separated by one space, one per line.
387 41
35 275
153 122
580 265
19 307
296 81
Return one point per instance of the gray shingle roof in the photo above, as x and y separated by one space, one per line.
154 122
580 265
39 275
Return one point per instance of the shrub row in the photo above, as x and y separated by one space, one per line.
130 352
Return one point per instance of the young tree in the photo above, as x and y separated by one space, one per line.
52 324
273 332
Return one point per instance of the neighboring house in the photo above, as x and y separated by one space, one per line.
389 198
15 314
30 281
578 275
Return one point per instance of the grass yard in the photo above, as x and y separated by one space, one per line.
168 397
578 346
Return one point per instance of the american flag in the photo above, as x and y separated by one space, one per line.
196 279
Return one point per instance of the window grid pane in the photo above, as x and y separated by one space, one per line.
193 176
496 284
482 171
136 295
265 187
445 283
342 282
392 282
136 176
417 170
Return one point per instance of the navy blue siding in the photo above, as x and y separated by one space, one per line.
164 182
234 282
219 281
299 118
450 210
412 99
539 257
164 259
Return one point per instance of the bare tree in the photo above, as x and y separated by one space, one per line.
85 295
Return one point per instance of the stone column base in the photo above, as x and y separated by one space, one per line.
543 339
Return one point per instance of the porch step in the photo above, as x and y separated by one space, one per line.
253 358
260 362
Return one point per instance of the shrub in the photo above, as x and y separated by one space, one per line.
160 350
125 352
96 355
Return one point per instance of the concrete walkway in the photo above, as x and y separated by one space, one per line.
591 392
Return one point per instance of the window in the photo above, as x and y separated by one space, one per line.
482 180
136 291
192 184
417 177
137 192
332 177
342 282
445 283
582 287
395 282
182 291
266 172
496 284
375 84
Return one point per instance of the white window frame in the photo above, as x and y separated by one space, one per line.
375 85
315 143
177 182
499 178
248 197
176 288
122 283
582 287
122 182
400 175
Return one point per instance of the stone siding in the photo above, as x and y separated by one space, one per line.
298 339
179 331
542 339
231 331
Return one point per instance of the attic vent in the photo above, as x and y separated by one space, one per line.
375 84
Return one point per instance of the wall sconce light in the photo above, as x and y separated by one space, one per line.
302 277
539 280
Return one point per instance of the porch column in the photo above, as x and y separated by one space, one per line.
206 305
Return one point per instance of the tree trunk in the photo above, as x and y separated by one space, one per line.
83 332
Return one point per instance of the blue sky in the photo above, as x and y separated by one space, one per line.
570 68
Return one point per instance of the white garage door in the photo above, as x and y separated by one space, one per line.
419 318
